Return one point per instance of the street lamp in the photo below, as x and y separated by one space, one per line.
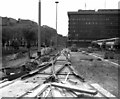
56 21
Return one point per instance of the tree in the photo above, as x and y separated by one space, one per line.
29 36
15 44
48 35
7 34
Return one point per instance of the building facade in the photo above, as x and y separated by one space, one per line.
85 26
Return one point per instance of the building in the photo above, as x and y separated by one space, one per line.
88 25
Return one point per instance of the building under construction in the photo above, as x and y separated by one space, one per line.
88 25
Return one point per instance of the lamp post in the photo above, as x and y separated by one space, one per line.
39 31
105 4
56 22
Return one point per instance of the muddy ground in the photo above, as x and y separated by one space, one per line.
96 71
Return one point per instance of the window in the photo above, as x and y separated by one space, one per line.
76 35
89 23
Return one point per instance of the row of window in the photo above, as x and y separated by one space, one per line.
89 23
89 30
83 19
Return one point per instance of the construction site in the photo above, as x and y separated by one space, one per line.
36 62
64 74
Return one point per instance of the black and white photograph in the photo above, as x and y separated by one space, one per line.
59 49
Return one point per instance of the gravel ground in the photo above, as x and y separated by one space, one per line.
96 71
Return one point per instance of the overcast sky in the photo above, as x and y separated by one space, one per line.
28 9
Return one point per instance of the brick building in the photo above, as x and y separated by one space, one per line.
88 25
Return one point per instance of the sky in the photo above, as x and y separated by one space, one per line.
28 9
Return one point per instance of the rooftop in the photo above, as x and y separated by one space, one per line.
99 11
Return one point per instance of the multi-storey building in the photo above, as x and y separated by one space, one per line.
87 25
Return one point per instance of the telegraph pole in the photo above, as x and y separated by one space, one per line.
105 4
39 30
85 4
56 24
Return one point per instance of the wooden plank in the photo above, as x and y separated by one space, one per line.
5 84
38 91
74 88
61 58
17 89
46 92
102 90
3 81
56 93
82 95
